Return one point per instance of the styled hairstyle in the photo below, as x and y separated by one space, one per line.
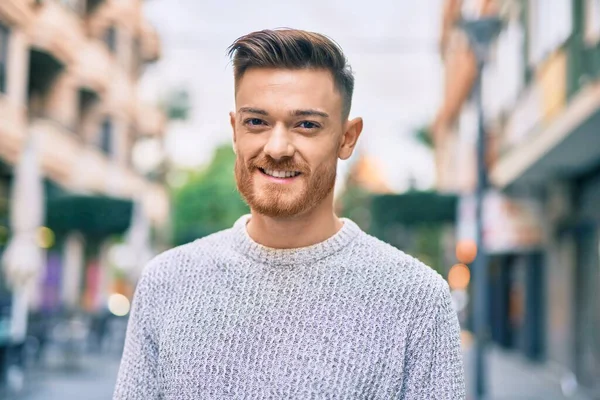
293 49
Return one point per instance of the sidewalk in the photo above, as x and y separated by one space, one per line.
512 377
94 380
78 371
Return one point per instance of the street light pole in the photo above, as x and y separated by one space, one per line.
480 32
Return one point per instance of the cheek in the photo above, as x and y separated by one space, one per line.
249 145
317 149
320 155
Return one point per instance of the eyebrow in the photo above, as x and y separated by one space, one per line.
295 113
308 113
252 110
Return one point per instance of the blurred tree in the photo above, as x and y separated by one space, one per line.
355 203
414 221
428 245
209 201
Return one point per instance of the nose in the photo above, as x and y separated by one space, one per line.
279 144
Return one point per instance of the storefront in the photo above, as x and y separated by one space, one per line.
573 282
517 303
587 281
514 241
91 218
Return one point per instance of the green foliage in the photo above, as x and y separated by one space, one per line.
355 204
412 221
209 201
428 245
422 216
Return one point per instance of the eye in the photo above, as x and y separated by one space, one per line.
308 125
254 122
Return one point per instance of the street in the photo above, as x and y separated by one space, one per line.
510 377
88 373
94 380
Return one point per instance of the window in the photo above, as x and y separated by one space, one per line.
87 100
110 38
550 25
106 137
4 32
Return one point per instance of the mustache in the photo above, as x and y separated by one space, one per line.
288 164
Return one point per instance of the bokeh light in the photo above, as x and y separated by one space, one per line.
45 237
459 277
466 251
118 304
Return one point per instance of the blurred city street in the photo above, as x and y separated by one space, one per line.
65 372
95 380
480 157
511 378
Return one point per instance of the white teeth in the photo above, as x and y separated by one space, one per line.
281 174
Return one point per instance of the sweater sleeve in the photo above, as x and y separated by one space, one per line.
434 366
137 378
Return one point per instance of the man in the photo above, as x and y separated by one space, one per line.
292 301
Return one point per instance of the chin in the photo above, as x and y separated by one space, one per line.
286 209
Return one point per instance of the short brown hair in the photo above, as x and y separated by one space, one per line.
293 49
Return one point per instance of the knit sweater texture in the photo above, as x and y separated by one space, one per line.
348 318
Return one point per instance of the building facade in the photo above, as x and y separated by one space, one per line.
68 78
542 106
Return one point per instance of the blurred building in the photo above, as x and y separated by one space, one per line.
417 222
542 219
68 77
367 173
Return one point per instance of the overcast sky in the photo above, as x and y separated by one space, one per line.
391 46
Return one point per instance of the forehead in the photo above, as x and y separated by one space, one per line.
287 89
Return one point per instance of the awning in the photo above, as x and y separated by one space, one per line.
93 215
413 208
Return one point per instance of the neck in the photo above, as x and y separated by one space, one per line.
303 230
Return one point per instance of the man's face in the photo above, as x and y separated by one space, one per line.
288 134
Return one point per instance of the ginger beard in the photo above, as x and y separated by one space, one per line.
278 200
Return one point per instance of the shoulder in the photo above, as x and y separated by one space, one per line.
172 264
405 274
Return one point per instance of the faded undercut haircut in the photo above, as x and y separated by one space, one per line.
293 49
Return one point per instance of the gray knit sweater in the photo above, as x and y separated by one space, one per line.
349 318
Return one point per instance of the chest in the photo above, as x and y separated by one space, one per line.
279 341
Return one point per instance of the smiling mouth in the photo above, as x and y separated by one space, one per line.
280 174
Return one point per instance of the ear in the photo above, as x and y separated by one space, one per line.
350 137
232 122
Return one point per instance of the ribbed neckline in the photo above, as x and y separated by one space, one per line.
244 244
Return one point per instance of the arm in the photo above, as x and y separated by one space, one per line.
434 366
137 379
